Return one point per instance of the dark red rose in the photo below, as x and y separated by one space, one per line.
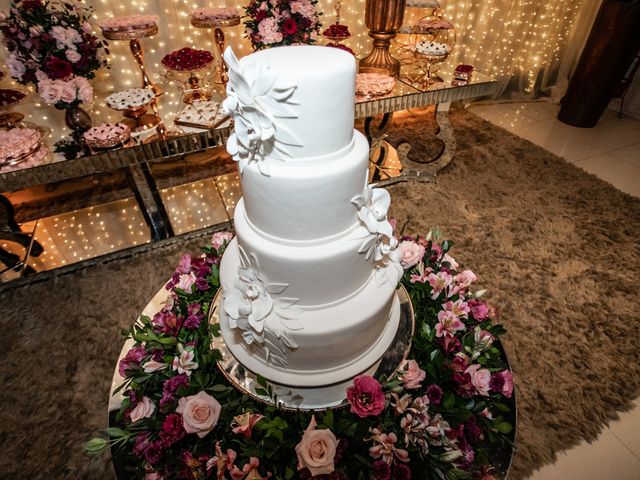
31 4
261 15
289 26
58 68
381 470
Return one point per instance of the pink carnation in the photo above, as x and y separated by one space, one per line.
366 397
479 309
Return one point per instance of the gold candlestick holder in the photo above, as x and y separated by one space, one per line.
383 19
222 74
134 37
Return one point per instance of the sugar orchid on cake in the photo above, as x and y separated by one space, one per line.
264 321
255 100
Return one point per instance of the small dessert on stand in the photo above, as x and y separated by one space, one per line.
337 33
217 18
432 40
133 104
133 28
107 136
21 147
190 62
370 85
9 98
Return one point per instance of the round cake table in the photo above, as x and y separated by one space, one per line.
500 458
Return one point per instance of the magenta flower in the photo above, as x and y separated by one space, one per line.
172 429
502 382
185 264
479 309
366 397
381 470
170 387
435 394
448 324
194 316
131 360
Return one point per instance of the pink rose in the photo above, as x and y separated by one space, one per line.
366 396
200 413
411 253
50 91
480 379
40 75
72 55
413 376
143 409
243 424
219 239
85 91
68 93
317 450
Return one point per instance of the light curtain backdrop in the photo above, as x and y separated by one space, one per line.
532 46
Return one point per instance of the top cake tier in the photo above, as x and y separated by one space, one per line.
310 103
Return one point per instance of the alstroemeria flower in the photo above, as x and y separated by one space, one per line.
243 424
439 281
384 446
183 362
448 324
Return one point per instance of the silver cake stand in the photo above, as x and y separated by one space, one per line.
289 397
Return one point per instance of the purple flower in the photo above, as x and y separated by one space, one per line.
165 321
472 430
153 454
131 360
141 444
502 382
172 429
435 394
170 387
401 472
202 284
194 316
381 470
468 455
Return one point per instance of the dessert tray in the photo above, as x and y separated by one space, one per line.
133 102
107 135
21 147
201 114
209 17
129 27
308 399
374 84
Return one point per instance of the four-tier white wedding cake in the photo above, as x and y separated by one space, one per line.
309 281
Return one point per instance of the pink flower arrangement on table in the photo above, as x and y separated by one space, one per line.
273 23
52 41
53 92
438 416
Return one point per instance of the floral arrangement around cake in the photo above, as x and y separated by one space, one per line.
443 414
51 45
273 23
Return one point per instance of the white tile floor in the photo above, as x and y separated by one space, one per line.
611 151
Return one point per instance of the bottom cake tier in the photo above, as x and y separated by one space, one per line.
324 346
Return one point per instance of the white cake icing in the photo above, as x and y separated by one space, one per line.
309 282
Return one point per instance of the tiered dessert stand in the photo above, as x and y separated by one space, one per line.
190 76
135 113
134 37
222 75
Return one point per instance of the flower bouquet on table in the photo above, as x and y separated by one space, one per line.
442 415
51 45
273 23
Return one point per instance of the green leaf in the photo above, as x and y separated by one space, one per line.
261 381
449 400
262 392
288 473
327 421
218 388
115 432
95 445
504 427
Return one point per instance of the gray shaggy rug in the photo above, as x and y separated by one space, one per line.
557 249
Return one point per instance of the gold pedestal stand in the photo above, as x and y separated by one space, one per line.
134 37
383 18
137 118
222 75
